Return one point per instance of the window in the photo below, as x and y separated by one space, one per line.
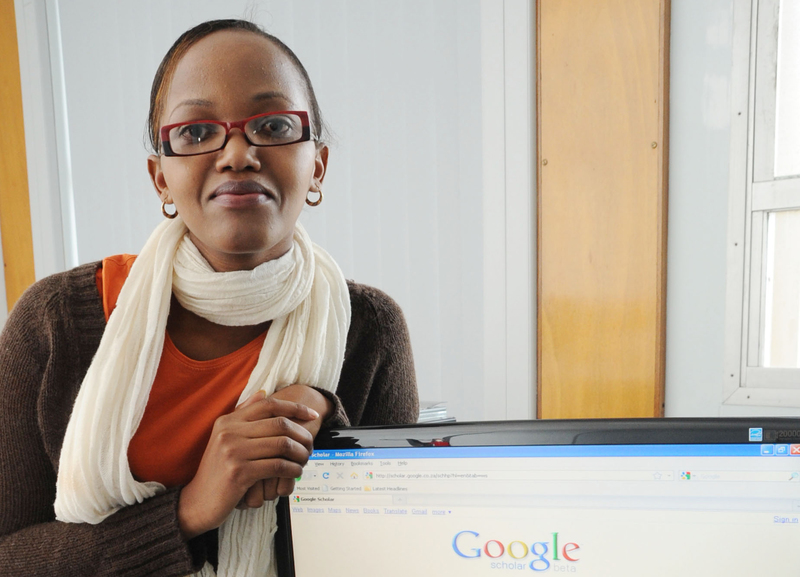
763 308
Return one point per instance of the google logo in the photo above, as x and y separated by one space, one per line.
467 544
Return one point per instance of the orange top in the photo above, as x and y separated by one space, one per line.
186 398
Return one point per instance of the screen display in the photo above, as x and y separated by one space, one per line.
625 510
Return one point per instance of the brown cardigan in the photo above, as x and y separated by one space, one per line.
45 350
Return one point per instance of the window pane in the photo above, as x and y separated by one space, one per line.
787 115
782 305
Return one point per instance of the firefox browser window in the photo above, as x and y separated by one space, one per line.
656 510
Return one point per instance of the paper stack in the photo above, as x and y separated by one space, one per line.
433 412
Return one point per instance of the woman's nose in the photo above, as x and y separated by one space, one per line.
238 154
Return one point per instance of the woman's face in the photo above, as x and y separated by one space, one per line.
239 203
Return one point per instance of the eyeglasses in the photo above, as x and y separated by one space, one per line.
202 136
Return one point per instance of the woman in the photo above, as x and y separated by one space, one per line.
157 439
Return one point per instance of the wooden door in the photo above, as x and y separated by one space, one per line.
15 216
602 151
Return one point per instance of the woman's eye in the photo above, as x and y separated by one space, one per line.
271 128
196 133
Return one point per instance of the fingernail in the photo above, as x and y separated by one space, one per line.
259 395
314 414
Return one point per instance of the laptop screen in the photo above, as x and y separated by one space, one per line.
666 497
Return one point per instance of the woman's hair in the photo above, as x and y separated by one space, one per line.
163 77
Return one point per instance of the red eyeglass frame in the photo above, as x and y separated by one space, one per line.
302 114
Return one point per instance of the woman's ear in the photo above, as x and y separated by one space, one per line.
157 178
320 167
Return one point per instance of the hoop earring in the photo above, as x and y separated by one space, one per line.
314 202
165 213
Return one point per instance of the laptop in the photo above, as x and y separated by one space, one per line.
655 497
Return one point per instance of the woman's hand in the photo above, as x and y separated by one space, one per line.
262 439
269 489
310 397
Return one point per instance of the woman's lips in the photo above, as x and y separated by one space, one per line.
241 193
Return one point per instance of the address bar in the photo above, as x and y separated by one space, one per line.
592 475
548 475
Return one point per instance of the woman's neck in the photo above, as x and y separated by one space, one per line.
229 261
201 340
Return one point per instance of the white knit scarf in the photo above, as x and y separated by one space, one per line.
304 294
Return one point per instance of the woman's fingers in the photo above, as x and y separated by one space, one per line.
257 396
285 487
309 397
270 489
254 454
254 498
282 450
278 427
230 430
266 407
266 490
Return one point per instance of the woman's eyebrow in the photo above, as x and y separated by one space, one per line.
271 95
201 102
260 97
193 102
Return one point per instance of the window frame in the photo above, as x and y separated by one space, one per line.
754 193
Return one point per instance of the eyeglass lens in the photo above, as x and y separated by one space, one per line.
267 130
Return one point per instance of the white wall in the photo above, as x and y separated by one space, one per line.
700 113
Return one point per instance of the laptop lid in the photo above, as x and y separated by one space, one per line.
592 497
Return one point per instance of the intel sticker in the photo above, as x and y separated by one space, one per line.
756 435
